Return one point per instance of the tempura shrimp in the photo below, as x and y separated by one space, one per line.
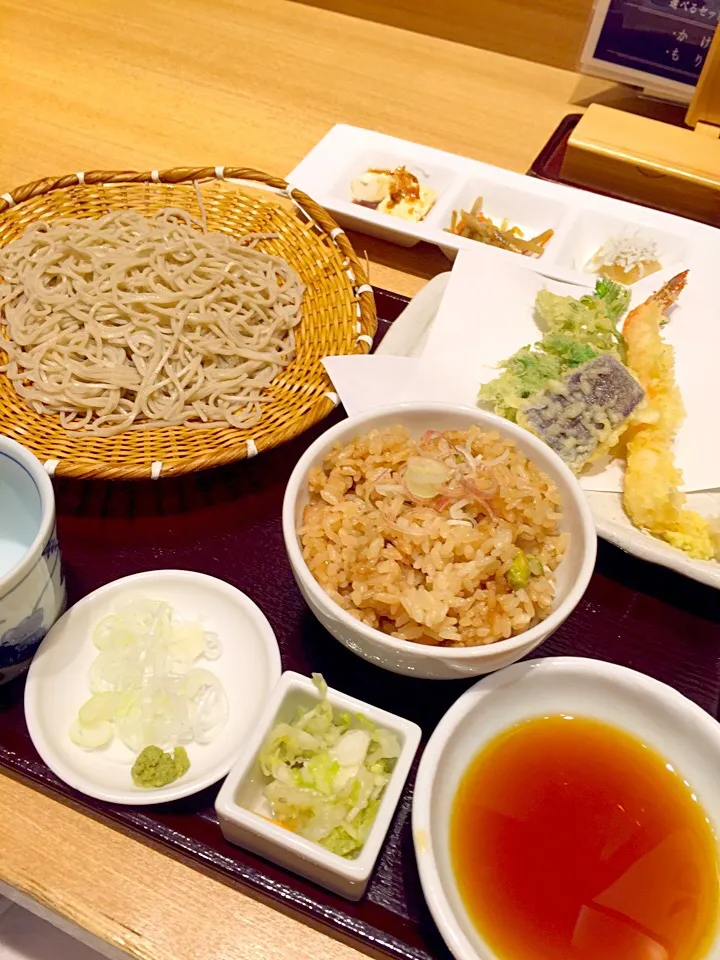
652 498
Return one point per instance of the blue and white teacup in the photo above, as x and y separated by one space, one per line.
32 586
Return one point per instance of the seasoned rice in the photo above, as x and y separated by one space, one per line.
434 568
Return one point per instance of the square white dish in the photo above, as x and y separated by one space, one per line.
241 794
575 215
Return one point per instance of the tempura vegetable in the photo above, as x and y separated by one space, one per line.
576 331
582 416
652 498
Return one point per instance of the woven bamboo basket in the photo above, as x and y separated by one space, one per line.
338 314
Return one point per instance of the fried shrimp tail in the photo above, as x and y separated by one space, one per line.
652 498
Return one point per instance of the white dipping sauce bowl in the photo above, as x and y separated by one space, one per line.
419 660
650 711
32 588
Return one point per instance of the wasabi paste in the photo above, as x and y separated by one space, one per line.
156 768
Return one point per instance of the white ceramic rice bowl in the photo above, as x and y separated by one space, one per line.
404 656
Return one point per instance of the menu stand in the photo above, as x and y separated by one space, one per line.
672 168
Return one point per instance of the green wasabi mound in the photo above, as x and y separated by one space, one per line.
156 768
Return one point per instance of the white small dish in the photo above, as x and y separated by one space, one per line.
649 710
241 794
57 684
420 660
375 223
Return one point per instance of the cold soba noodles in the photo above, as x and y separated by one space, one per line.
129 322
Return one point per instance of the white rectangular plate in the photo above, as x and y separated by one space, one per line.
582 221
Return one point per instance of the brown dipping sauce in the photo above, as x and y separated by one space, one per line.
571 840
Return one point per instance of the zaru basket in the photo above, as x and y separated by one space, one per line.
338 314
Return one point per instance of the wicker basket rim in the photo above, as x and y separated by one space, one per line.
311 213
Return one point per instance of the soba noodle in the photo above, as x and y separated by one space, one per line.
129 322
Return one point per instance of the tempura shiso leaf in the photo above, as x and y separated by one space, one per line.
576 331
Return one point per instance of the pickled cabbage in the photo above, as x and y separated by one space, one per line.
327 774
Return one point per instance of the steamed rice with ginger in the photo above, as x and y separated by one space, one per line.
421 538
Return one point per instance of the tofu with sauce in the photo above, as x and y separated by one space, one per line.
397 192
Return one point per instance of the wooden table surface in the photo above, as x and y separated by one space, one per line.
149 84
